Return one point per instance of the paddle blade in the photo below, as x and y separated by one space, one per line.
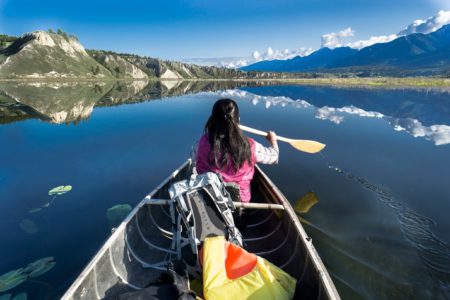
304 204
307 145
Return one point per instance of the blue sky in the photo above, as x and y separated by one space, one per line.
201 28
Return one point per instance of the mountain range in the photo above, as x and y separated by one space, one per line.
50 55
46 54
411 55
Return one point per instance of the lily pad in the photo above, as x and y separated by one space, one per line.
118 212
29 226
12 279
40 266
5 297
304 204
59 190
43 269
21 296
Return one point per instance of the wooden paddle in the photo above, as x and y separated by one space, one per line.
302 145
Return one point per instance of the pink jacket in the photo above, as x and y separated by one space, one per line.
242 177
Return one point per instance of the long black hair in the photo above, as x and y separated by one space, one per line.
225 137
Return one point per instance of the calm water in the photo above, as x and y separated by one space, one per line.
381 224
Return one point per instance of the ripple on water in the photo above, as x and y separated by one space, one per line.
418 231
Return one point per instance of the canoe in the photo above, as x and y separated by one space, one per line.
139 249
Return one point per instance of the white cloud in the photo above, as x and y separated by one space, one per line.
237 62
429 25
269 54
371 41
335 115
330 114
439 134
334 39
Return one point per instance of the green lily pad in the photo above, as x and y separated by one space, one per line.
59 190
118 212
21 296
43 269
37 266
34 210
12 279
29 226
5 297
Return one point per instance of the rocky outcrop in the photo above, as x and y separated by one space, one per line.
48 55
119 66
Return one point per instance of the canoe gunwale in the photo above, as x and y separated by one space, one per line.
121 228
323 274
275 197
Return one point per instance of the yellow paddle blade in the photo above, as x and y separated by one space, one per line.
304 204
307 145
304 221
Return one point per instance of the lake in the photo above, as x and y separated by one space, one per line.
381 225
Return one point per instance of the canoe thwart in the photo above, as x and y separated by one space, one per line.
236 204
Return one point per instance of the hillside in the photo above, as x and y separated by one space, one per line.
44 55
157 68
48 55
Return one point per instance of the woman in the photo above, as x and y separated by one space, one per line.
225 150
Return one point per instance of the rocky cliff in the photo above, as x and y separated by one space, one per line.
48 55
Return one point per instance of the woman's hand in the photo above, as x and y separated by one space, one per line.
271 137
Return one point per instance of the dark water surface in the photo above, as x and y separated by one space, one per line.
381 224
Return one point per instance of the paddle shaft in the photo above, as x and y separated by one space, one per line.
263 133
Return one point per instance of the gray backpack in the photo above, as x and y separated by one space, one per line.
203 208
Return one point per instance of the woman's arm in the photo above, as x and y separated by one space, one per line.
267 155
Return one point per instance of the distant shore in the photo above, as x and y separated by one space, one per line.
422 82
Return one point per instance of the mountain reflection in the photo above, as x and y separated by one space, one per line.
70 102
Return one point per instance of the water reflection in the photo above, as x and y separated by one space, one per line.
71 102
429 106
437 133
53 102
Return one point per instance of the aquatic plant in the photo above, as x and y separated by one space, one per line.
12 279
20 296
60 190
118 212
40 266
15 277
56 191
29 226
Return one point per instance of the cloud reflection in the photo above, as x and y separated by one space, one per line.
438 134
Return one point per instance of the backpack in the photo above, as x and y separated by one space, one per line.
203 208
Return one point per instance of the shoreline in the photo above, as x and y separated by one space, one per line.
370 82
